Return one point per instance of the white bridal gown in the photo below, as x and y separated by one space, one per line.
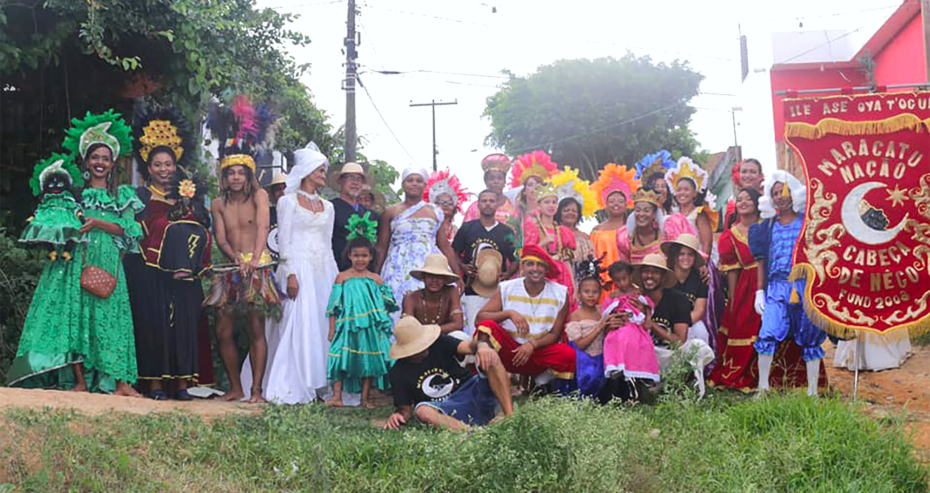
297 346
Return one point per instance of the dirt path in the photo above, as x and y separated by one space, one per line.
99 404
891 391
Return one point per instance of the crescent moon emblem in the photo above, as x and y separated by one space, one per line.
853 221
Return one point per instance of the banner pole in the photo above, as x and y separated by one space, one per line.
856 374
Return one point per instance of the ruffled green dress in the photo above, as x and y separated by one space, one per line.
55 221
67 325
362 339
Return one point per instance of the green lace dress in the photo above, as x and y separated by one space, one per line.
67 325
362 340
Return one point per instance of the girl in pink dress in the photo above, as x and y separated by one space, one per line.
557 240
628 349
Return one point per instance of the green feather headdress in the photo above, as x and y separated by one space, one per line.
107 128
362 226
57 163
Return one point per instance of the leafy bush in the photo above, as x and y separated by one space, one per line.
784 443
19 272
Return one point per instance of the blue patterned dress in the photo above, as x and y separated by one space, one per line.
412 240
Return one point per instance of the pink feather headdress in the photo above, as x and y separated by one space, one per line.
536 163
444 182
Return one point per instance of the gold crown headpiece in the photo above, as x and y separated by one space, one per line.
686 168
238 159
545 189
160 133
648 196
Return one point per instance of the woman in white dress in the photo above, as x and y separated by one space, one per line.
297 345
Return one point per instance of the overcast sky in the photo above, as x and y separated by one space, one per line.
443 39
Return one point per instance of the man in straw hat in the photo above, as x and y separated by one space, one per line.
430 384
670 319
778 299
351 180
524 320
275 191
484 248
437 302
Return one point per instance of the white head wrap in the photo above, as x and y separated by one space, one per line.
798 194
413 169
306 160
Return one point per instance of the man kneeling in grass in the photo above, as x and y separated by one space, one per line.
429 382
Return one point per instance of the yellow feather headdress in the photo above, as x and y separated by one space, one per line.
568 184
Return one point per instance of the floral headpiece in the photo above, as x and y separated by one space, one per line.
362 226
648 196
107 128
570 186
650 164
162 127
444 182
496 162
56 164
686 168
536 163
615 178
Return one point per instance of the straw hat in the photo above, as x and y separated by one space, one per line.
658 261
279 179
332 179
488 262
688 240
437 265
412 337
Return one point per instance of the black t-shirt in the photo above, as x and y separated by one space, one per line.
433 379
693 288
472 235
672 309
342 212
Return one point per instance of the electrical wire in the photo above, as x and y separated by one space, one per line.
821 45
383 120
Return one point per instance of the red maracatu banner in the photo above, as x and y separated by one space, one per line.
865 246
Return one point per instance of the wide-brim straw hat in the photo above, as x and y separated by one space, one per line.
688 240
332 181
379 205
658 261
437 265
278 179
489 263
412 337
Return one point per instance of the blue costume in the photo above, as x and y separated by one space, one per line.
773 243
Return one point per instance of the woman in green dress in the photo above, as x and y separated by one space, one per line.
100 344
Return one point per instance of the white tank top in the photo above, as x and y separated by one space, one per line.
540 312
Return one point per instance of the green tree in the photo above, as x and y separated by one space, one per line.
587 113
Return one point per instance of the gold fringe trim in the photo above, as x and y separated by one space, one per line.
904 121
843 331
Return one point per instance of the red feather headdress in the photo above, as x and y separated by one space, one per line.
536 163
444 182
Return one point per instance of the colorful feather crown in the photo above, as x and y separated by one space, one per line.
444 182
55 164
569 185
686 168
107 128
589 269
615 178
650 164
536 163
241 128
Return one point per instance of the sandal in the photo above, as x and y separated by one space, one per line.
157 395
182 395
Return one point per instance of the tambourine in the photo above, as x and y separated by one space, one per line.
272 242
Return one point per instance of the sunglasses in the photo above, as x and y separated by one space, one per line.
445 203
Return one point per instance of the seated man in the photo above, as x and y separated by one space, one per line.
524 319
437 302
429 383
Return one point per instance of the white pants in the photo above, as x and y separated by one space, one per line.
471 305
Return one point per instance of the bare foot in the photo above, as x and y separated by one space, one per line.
334 401
80 387
232 395
126 390
368 405
257 398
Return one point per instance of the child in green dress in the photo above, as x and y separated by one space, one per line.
359 327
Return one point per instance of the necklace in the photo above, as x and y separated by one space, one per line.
157 191
423 309
640 239
309 196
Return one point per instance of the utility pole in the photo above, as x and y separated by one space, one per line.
349 84
925 13
434 104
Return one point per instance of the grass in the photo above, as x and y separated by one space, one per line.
723 443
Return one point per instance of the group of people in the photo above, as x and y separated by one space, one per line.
343 299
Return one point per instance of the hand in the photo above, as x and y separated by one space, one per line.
645 309
89 224
705 274
395 421
523 327
293 287
612 321
759 303
254 263
332 333
487 357
522 354
470 269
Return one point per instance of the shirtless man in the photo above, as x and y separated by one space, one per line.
240 222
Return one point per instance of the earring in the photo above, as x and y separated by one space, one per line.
86 175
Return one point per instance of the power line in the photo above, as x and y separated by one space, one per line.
602 129
425 71
385 121
821 45
834 14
